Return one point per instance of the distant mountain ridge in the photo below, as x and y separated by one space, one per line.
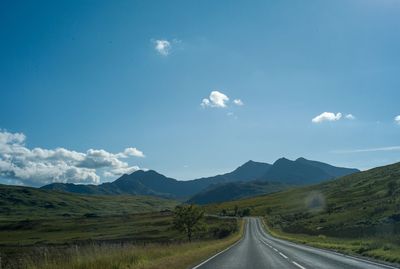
283 172
230 191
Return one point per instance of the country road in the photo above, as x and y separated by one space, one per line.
257 250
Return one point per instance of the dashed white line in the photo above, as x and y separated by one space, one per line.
275 249
298 265
283 255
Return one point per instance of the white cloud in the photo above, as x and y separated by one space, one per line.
238 102
216 99
131 152
205 102
163 47
327 116
397 119
350 117
392 148
42 166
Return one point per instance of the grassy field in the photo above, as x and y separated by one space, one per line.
48 229
21 203
358 214
174 253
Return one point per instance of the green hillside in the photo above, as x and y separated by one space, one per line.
24 202
362 209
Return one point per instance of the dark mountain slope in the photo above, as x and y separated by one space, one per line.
333 171
249 171
235 190
303 172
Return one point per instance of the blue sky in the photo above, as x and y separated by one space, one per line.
112 75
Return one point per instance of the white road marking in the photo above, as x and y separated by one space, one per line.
283 255
275 249
298 265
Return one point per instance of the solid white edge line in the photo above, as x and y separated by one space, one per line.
298 265
283 255
228 248
328 250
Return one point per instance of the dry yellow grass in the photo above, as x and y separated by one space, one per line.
153 256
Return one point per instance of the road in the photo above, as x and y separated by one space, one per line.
257 250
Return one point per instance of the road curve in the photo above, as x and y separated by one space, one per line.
257 250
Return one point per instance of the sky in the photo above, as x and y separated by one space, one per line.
90 90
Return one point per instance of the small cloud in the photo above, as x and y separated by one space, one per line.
238 102
392 148
397 119
350 117
216 99
205 102
130 152
327 116
163 47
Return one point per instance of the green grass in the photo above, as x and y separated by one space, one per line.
176 254
358 214
48 229
20 203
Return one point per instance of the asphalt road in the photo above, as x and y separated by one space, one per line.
257 250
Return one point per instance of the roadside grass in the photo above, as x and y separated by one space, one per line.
128 256
378 248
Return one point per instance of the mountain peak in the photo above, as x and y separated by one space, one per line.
282 160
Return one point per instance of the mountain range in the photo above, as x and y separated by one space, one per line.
249 179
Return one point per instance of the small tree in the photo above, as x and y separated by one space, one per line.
236 209
223 212
189 219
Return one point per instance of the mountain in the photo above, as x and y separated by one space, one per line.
235 190
138 183
277 177
150 182
303 172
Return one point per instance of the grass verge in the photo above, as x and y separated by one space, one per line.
379 249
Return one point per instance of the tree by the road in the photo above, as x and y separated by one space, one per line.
189 219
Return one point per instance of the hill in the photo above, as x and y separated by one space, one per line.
363 206
19 202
